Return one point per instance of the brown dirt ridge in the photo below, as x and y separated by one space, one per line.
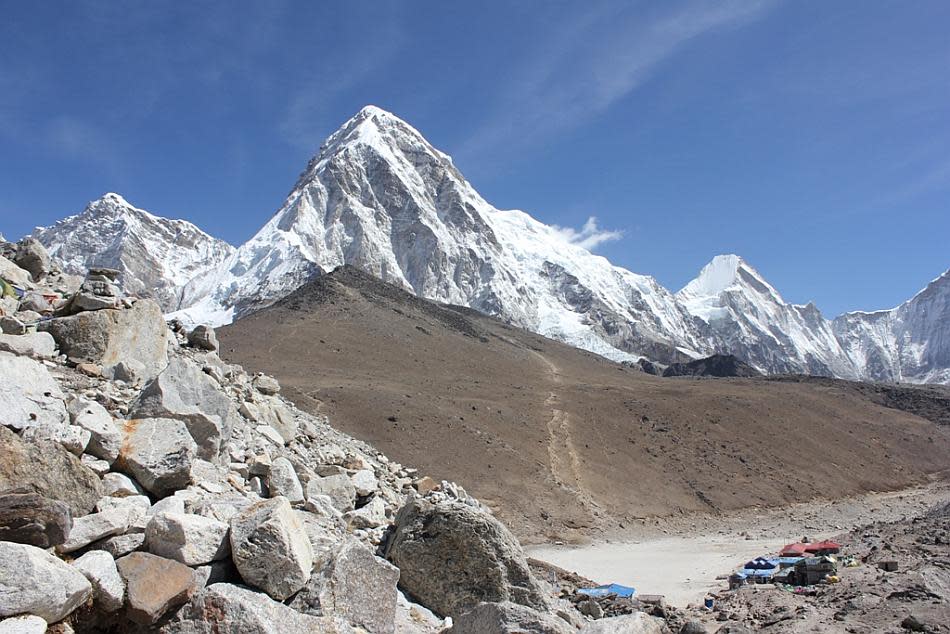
564 444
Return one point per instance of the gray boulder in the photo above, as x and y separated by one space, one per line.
95 526
48 469
119 485
105 435
36 302
30 518
39 345
154 585
282 481
26 624
266 384
121 545
365 482
272 411
28 394
453 556
136 337
32 256
32 581
12 326
270 548
636 623
73 438
191 539
13 273
370 515
99 568
159 453
354 584
506 617
203 337
223 607
185 393
338 488
83 301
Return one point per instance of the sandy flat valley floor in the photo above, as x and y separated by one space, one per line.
681 558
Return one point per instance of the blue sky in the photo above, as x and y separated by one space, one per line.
812 138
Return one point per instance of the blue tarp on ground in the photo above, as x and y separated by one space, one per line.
761 563
624 592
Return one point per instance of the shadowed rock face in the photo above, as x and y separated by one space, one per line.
48 469
718 365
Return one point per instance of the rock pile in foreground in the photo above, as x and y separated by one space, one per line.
147 486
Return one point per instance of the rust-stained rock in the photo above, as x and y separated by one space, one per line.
159 453
154 585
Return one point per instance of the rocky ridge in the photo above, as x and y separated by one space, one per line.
149 486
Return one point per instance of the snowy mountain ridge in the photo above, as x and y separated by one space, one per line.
379 197
156 255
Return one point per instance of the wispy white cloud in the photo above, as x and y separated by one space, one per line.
589 62
590 236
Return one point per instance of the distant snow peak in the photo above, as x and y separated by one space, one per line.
156 256
590 236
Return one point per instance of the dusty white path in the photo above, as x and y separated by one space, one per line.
683 569
683 566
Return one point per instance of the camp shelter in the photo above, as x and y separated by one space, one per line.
797 549
827 547
624 592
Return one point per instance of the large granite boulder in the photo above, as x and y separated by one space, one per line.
48 469
282 480
193 540
636 623
29 518
28 394
354 584
270 548
32 581
40 345
136 337
183 392
32 256
13 273
96 526
223 607
203 337
502 618
453 556
159 453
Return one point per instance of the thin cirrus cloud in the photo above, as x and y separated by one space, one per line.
589 237
589 62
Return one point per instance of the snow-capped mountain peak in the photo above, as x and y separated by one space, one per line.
156 256
727 272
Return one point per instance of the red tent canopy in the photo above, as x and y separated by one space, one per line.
827 545
794 550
